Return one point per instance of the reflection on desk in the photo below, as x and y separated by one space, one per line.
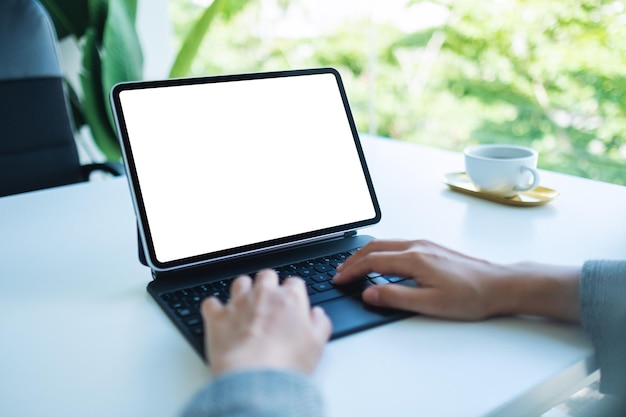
82 337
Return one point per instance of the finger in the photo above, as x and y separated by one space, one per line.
322 326
210 307
296 284
396 263
266 278
375 246
395 296
296 288
241 285
294 281
419 300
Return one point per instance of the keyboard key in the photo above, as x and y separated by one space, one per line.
196 299
341 256
304 272
379 281
339 291
176 304
308 280
321 277
203 291
323 268
183 312
323 286
193 321
181 293
325 296
224 284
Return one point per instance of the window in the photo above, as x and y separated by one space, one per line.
449 73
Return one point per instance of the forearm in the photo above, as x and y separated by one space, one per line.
603 316
262 393
536 289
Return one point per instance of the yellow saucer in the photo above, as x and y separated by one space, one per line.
459 181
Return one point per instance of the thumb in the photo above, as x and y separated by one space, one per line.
418 300
322 326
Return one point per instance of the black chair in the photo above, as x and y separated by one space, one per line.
37 145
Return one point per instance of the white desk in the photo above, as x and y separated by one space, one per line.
81 337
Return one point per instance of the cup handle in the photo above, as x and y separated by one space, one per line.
533 184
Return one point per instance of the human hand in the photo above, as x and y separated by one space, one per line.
264 325
456 286
450 284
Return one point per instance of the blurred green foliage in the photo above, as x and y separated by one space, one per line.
224 9
111 53
542 73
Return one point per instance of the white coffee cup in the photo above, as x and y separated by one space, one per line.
504 170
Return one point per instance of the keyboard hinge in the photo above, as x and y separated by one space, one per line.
350 233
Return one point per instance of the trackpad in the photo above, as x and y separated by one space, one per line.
350 315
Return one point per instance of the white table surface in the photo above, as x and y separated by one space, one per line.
81 336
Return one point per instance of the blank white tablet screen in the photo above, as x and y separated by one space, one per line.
228 164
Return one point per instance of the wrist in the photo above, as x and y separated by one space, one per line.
265 357
529 288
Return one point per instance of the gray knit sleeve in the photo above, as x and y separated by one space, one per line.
257 393
603 316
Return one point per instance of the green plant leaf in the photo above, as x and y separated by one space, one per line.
76 107
94 104
191 44
131 8
70 17
232 7
98 11
122 59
